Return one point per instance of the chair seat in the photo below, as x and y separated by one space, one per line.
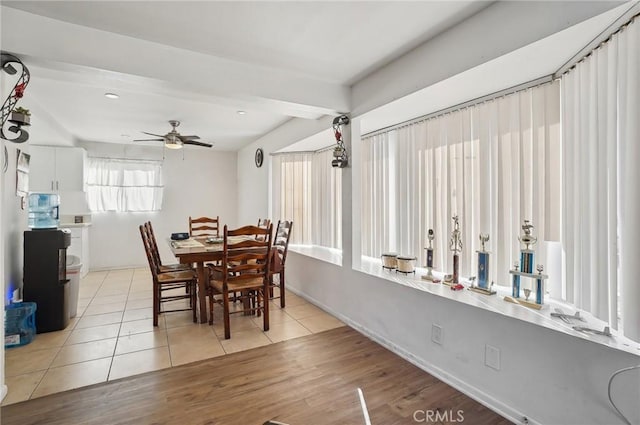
174 267
177 276
239 285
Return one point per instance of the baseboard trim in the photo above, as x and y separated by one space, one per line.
3 392
106 269
465 388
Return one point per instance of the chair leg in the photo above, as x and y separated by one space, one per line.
210 293
156 302
193 300
265 303
282 291
246 303
227 324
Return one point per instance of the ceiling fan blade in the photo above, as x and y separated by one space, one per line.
193 142
149 140
188 137
151 134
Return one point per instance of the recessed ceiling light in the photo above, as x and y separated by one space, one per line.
242 112
111 95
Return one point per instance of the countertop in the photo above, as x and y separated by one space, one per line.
70 225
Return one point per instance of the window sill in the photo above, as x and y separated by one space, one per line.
496 304
329 255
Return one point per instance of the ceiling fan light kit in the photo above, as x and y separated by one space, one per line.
173 142
173 139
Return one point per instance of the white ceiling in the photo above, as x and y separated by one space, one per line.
539 59
200 62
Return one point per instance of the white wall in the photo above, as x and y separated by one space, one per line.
253 202
201 184
14 223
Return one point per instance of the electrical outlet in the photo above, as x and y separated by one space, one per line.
492 357
437 334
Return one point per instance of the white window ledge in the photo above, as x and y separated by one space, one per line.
497 304
329 255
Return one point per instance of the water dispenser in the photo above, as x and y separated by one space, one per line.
44 210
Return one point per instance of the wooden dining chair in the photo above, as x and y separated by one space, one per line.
279 256
156 253
164 282
204 226
244 269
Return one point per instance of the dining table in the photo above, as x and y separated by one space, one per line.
200 250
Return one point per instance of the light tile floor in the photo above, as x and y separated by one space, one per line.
113 337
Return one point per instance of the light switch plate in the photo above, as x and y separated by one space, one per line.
492 357
437 334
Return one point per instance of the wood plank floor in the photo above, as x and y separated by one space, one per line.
306 381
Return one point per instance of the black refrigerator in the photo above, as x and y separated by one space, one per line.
45 277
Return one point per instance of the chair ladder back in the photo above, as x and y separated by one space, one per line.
204 226
281 241
148 250
153 242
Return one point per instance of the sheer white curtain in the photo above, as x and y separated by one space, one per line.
124 185
601 97
493 164
307 191
326 189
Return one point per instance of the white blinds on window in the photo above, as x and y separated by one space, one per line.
119 185
493 164
601 131
308 191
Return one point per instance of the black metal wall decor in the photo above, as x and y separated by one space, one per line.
340 158
20 118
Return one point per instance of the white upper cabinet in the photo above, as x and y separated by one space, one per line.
54 169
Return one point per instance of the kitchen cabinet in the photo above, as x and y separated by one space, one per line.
54 169
80 247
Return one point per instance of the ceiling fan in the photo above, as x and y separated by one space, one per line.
173 139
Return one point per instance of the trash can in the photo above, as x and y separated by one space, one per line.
73 274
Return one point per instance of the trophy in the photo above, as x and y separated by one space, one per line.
429 275
455 245
525 269
483 286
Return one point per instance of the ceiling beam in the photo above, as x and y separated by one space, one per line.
180 70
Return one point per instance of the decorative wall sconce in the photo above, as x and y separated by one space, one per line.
340 158
19 117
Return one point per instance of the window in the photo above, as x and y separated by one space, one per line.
307 190
571 170
493 164
124 185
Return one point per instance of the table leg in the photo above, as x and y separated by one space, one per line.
202 292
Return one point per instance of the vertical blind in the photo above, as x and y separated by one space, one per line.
124 185
308 191
493 164
601 135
